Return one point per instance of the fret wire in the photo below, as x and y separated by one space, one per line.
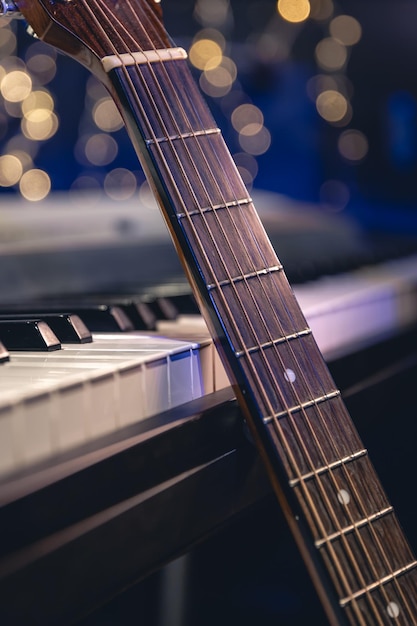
379 583
272 419
179 196
254 372
133 92
354 526
270 344
182 136
226 303
327 468
215 207
324 494
244 277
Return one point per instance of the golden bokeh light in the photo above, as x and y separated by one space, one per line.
218 81
35 185
294 11
353 145
106 116
11 170
332 106
38 99
16 86
346 29
205 52
331 55
257 143
246 115
39 124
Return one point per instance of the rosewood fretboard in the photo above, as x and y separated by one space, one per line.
280 376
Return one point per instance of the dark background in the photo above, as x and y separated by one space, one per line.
303 156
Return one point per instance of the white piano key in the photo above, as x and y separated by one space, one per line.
194 328
7 451
51 402
358 308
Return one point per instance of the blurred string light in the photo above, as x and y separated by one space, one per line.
97 148
210 54
332 91
24 97
294 11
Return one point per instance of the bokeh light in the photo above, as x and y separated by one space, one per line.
35 185
11 170
106 115
353 145
330 54
332 106
16 86
294 11
346 29
205 53
120 184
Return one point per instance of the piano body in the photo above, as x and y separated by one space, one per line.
124 461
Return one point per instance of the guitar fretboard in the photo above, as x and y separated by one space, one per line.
291 400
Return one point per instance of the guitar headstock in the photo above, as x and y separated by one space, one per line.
89 30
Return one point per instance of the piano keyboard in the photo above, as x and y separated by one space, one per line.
50 402
54 402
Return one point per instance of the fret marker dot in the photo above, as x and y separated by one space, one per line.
393 610
343 496
290 376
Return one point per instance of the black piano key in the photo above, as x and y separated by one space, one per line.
96 317
28 335
140 313
171 306
68 328
104 318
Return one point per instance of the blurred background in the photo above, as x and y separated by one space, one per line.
317 101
